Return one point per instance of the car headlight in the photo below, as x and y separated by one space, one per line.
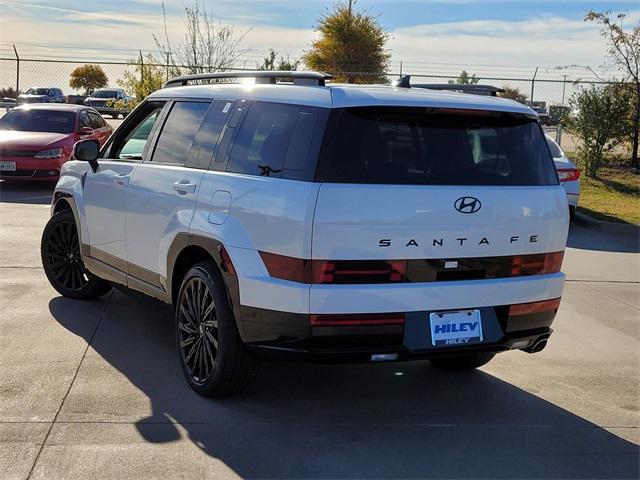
51 153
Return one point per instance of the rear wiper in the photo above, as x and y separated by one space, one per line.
267 170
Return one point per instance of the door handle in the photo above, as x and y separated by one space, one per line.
184 187
121 179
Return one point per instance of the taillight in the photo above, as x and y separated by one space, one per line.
359 271
568 174
536 264
334 271
286 268
534 307
357 319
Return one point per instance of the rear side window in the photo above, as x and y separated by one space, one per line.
388 145
208 137
262 142
178 132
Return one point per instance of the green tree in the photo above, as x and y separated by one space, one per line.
465 79
595 120
271 62
88 78
624 54
513 93
146 77
351 46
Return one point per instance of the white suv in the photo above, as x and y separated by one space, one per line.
321 222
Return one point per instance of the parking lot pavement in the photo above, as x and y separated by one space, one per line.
94 390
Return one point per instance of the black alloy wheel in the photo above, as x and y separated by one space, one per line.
214 360
198 330
62 262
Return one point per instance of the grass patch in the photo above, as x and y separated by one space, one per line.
614 196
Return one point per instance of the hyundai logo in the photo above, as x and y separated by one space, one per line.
467 205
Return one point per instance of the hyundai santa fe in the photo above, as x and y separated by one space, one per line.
292 218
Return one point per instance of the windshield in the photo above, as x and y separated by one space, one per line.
38 121
104 94
37 91
391 145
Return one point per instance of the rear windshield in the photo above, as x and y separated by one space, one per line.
37 120
387 145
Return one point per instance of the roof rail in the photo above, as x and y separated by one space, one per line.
261 76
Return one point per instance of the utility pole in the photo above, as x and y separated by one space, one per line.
141 67
17 69
167 53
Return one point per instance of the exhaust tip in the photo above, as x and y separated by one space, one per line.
538 346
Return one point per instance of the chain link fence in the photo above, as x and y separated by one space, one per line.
546 95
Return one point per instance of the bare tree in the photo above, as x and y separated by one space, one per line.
207 44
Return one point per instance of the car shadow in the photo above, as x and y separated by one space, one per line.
400 420
33 193
586 238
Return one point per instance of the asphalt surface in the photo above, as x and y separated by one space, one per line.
93 389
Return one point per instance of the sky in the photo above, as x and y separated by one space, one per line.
509 36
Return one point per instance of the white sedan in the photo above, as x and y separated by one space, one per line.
568 174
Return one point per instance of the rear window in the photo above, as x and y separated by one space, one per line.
554 148
387 145
38 120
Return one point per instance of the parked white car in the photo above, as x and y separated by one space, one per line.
307 220
568 174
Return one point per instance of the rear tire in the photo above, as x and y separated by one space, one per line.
213 357
463 362
62 262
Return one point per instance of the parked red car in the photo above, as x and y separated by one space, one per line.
35 140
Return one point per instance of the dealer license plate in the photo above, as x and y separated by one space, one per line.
8 166
462 327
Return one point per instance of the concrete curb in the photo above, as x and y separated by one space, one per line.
609 227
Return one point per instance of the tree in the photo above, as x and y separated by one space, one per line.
624 53
351 46
596 122
513 93
465 79
9 92
207 44
88 78
269 62
147 77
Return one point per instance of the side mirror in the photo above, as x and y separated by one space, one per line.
87 151
85 131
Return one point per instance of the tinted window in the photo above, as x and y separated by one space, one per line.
207 138
261 145
37 120
388 145
179 131
554 148
95 120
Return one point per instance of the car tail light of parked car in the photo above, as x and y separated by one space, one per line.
568 174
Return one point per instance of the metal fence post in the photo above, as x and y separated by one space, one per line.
141 68
533 84
17 69
559 129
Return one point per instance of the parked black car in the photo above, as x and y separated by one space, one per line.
104 99
42 95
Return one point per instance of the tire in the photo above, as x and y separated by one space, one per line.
572 213
462 362
62 263
214 360
114 116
